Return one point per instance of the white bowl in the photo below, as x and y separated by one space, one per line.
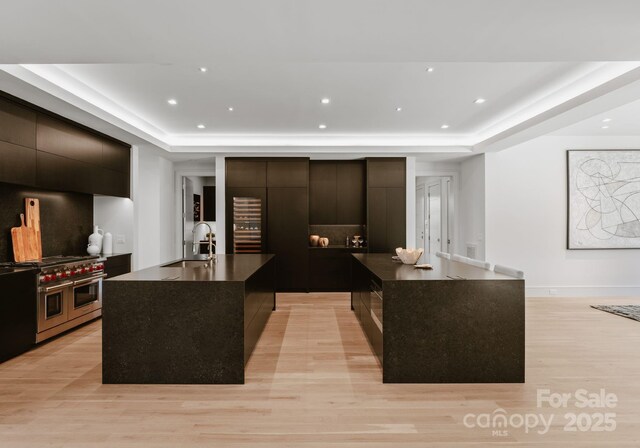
409 256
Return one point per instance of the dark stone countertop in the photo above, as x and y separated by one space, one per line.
114 254
229 268
11 270
386 269
338 247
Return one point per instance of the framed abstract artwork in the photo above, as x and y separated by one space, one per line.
603 199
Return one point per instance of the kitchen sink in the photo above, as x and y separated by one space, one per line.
187 264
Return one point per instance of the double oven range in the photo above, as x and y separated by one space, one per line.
69 293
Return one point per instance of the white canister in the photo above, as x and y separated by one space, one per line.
92 249
95 239
107 244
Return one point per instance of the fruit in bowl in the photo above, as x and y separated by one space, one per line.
409 256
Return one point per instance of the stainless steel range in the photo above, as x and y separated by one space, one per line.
69 293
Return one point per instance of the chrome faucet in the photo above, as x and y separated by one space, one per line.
211 257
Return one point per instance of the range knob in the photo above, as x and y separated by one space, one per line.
90 268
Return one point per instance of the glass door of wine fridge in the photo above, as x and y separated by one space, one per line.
247 225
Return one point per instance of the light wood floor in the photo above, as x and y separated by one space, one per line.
313 381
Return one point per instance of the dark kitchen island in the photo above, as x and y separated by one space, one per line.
184 323
454 324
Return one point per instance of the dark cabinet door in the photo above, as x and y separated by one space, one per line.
329 270
208 203
323 193
386 172
109 182
244 192
117 265
115 156
60 173
288 224
17 313
377 219
351 192
396 218
17 164
61 138
292 172
17 124
246 173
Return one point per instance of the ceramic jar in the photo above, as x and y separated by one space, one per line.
107 244
324 242
92 249
313 240
95 239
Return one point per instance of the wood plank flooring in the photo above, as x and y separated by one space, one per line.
313 381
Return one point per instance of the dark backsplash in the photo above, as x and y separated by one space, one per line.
337 234
66 219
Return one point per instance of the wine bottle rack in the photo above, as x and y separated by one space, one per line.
247 225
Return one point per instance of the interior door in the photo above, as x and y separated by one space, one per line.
420 218
434 218
187 217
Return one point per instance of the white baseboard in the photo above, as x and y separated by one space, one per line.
582 291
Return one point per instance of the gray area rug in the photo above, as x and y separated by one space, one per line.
628 311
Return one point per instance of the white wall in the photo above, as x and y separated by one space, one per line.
526 219
154 211
115 215
471 206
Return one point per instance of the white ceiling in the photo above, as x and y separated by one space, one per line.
621 121
119 62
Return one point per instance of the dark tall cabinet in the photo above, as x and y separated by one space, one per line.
386 203
337 192
283 186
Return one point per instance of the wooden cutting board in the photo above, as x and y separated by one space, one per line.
24 241
32 206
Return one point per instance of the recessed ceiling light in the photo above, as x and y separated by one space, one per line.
325 100
430 69
606 120
398 109
172 101
201 126
444 126
480 101
230 109
605 127
322 126
203 69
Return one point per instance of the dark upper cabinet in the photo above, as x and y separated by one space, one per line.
64 139
386 204
115 156
246 173
109 182
17 164
287 236
386 172
352 199
17 124
337 192
323 193
54 172
292 172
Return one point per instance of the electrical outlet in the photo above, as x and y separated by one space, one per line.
553 292
120 239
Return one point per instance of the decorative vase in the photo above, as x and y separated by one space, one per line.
324 242
95 239
92 249
107 244
313 240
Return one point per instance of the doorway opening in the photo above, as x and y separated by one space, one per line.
198 204
434 213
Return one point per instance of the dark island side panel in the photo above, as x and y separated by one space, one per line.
448 331
66 219
148 339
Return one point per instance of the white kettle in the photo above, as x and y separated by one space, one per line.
95 239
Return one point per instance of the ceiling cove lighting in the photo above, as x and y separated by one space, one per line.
201 126
230 109
444 126
203 69
172 101
479 101
322 126
325 100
